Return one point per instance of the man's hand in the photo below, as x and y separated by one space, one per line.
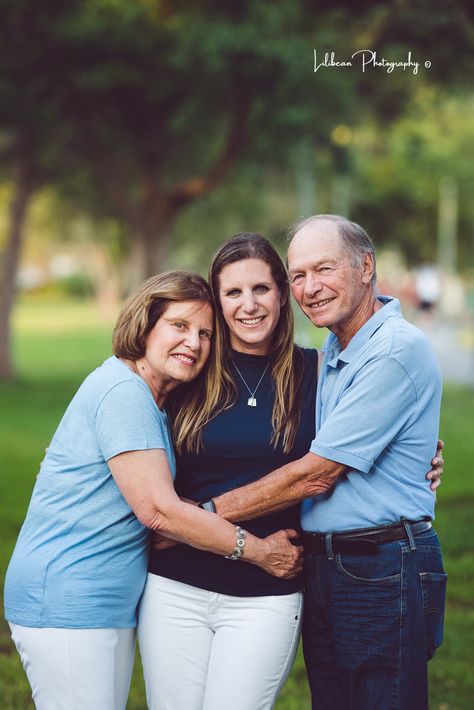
283 558
437 471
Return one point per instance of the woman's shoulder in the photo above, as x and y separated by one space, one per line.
309 359
310 355
113 380
113 372
106 375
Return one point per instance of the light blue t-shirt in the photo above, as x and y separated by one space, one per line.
377 411
81 557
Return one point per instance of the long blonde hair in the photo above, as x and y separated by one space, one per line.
194 405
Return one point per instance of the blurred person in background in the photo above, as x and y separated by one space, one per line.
428 287
79 565
428 292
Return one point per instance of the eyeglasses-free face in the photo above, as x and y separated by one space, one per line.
251 302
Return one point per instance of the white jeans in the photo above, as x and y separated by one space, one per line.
77 669
206 651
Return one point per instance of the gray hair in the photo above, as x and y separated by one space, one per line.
355 240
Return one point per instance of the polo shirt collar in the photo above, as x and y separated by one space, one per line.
390 309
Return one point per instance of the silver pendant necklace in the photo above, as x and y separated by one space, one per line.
251 402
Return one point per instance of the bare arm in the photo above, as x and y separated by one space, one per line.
304 478
307 477
145 481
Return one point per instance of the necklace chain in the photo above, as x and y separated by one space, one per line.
251 402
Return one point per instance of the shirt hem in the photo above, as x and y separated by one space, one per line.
65 624
218 589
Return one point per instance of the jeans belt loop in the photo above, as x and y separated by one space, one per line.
329 548
409 533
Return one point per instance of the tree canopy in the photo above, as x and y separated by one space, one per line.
135 110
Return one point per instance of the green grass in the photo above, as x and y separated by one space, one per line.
56 345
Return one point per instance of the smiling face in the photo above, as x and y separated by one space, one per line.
330 290
251 301
178 345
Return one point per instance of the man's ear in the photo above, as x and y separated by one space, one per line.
368 268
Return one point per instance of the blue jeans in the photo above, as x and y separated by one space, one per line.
371 623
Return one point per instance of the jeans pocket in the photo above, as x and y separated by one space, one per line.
433 590
366 570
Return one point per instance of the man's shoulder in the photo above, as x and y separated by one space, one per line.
399 339
403 337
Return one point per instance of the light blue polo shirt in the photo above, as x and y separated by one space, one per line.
81 557
377 412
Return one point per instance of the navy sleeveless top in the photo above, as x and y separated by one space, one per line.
237 450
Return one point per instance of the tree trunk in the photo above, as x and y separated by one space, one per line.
148 248
106 280
23 189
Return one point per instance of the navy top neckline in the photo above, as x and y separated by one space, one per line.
250 358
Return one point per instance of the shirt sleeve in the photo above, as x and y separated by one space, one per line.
128 419
370 414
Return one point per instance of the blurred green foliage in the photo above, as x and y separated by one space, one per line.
160 127
136 110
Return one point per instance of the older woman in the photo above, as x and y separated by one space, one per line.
79 566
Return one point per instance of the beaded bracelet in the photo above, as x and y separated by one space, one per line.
240 535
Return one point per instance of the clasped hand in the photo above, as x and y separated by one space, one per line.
284 557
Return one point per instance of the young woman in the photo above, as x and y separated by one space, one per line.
79 566
213 633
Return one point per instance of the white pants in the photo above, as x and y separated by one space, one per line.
77 669
206 651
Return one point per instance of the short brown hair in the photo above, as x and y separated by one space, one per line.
144 308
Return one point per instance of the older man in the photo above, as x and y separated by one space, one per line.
375 583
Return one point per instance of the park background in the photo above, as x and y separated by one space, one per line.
136 135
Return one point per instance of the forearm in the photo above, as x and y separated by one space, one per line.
290 484
189 524
144 479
